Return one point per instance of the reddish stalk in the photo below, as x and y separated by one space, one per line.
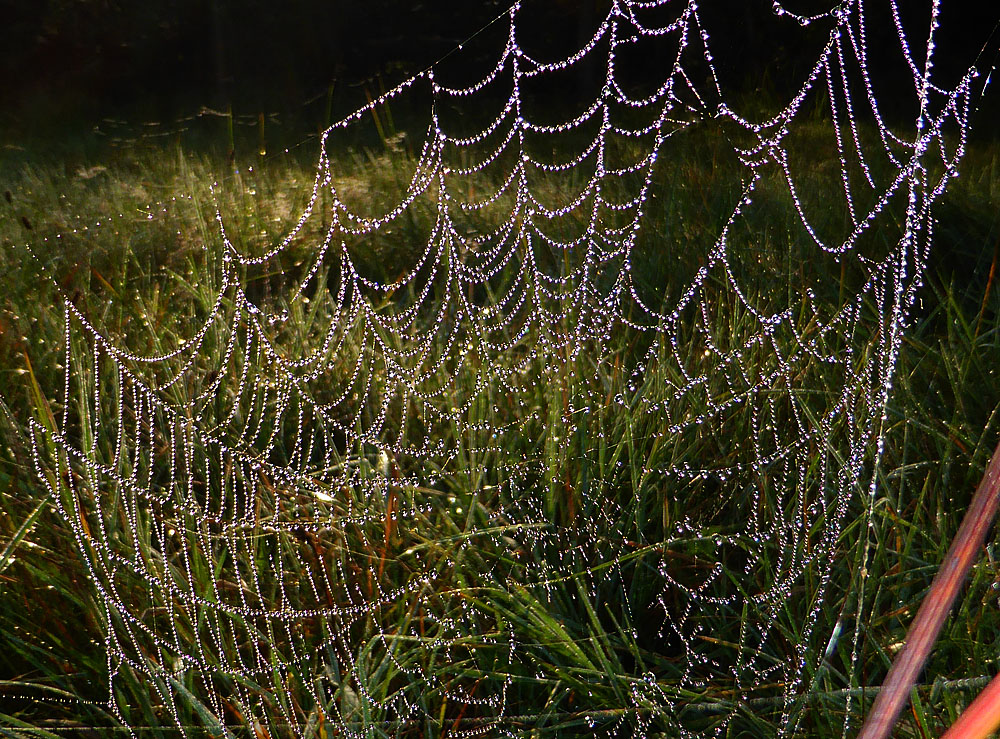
981 718
937 603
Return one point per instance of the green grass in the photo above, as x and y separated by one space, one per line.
132 240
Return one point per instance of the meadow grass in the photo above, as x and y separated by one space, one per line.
131 238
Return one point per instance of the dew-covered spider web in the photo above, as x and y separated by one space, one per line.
555 417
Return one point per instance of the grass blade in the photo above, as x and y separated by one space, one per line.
7 554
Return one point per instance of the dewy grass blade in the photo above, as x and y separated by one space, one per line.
6 556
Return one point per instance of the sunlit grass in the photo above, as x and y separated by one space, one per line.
134 243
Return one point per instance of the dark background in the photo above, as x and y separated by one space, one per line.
74 62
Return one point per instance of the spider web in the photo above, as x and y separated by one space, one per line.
275 513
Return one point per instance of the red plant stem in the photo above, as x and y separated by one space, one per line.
937 603
981 718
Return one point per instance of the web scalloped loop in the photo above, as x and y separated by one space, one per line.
560 275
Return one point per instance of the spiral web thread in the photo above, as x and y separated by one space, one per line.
250 504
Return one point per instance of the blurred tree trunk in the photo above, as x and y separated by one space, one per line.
223 79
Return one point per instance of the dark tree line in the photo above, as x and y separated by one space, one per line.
100 56
121 51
